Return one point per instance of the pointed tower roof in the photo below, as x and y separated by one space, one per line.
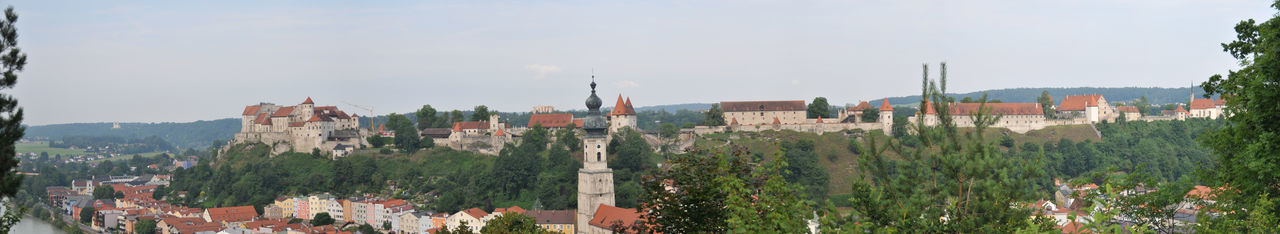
620 108
776 121
631 110
735 122
500 133
308 101
884 106
1180 110
819 119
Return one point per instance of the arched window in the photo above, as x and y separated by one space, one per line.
597 156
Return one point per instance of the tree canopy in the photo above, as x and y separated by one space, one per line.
819 108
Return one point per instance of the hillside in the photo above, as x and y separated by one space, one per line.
198 134
1154 95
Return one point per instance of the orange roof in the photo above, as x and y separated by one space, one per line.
998 108
929 109
819 119
1078 103
775 121
1127 109
607 215
283 112
1180 110
512 209
476 212
557 120
630 109
314 118
308 101
251 110
861 106
232 214
735 121
296 124
1201 192
577 122
623 107
796 105
884 106
263 119
459 126
1221 101
500 133
1200 104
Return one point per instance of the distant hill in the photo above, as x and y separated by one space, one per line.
1154 95
198 134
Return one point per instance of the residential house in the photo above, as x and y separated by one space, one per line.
472 217
608 218
554 220
225 215
1093 108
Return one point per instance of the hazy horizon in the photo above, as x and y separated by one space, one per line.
157 61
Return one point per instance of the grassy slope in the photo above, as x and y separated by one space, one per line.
844 167
43 146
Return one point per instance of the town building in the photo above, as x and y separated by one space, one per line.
299 128
554 121
595 179
1206 108
1093 108
1129 112
226 215
764 112
472 218
560 221
622 116
543 109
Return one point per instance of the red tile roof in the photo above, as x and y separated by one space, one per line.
884 106
557 120
1222 101
283 112
998 108
476 212
775 121
251 110
232 214
314 118
606 216
297 124
1078 103
577 122
623 107
796 105
459 126
1180 110
1201 104
512 209
861 106
263 119
1127 109
735 121
500 133
552 216
819 119
308 101
929 109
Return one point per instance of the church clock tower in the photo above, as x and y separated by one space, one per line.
595 179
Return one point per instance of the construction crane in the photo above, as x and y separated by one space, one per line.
372 121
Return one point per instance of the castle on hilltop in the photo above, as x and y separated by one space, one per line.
300 128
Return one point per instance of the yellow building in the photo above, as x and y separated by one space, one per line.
286 206
560 221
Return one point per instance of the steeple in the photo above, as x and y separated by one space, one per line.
594 123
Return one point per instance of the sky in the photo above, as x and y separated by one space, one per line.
180 61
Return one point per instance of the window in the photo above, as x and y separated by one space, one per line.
597 156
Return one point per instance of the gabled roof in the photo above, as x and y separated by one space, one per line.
476 212
500 133
775 121
551 216
1201 104
283 112
929 109
1180 110
735 122
1078 103
1127 109
556 120
297 124
308 101
251 110
861 106
1221 101
796 105
819 119
998 108
263 119
459 126
232 214
884 106
606 216
512 209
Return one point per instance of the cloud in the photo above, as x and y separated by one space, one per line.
540 71
626 84
795 82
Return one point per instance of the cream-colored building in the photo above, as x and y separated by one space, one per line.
472 217
750 113
622 116
1207 108
1129 112
300 128
1093 108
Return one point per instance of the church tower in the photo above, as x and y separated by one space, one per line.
595 179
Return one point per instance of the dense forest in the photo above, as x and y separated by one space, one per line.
190 135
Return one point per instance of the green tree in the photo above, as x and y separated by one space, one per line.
568 138
1046 103
104 192
456 116
376 141
871 115
86 214
714 116
481 113
406 138
12 61
803 168
366 228
819 108
145 226
721 192
427 117
386 225
159 193
322 219
1246 148
512 223
949 182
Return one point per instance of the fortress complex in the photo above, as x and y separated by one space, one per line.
300 128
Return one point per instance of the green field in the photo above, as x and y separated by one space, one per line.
43 146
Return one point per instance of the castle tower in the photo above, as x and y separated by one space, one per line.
595 179
886 117
306 110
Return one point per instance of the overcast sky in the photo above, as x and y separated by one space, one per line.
178 61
